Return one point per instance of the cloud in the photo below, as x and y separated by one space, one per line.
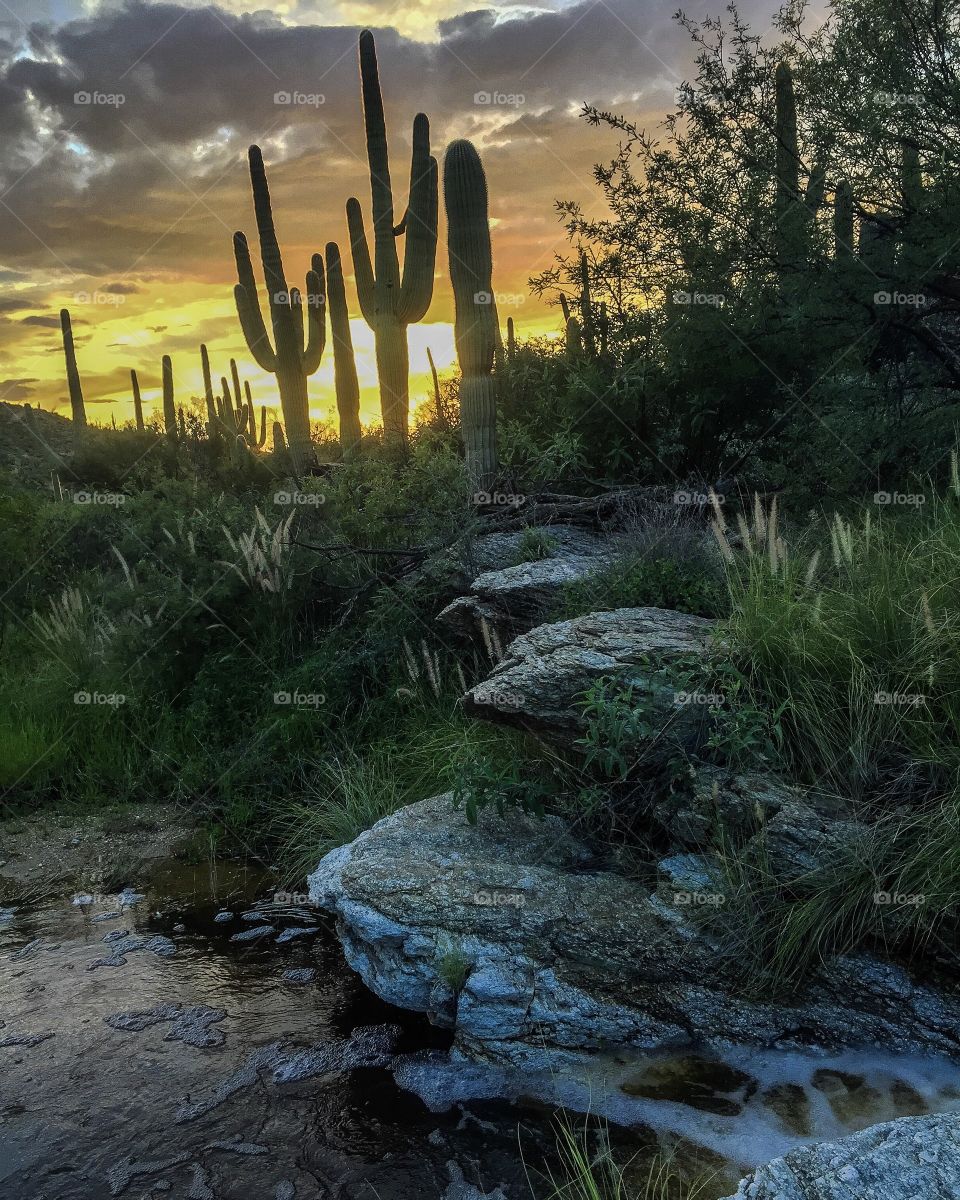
13 390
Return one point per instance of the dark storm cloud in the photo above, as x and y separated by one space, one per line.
125 131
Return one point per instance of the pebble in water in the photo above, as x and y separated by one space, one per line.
190 1024
223 916
300 975
251 935
288 935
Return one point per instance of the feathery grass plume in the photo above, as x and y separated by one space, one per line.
128 574
263 555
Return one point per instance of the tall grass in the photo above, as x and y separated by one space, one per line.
849 629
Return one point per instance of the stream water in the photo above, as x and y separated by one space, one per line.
148 1048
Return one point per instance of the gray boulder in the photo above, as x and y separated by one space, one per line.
512 596
914 1158
546 671
503 932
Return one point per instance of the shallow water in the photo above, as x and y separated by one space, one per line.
145 1053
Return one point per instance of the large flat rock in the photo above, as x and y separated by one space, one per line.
501 931
545 672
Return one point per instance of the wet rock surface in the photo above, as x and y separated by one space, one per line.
559 957
915 1158
205 1073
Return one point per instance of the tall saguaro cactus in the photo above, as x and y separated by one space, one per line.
291 358
390 302
137 401
788 209
77 410
344 361
471 271
169 404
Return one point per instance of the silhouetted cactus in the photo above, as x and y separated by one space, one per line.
843 215
169 404
574 342
344 361
208 396
511 340
436 380
77 410
137 401
291 359
279 444
390 303
471 272
788 212
586 308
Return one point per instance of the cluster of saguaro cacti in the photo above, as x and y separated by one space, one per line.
471 272
77 410
294 356
389 301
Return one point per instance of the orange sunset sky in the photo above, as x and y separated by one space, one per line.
125 126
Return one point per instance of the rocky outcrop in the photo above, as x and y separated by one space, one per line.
545 673
513 595
503 932
915 1158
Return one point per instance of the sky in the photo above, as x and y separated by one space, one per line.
124 128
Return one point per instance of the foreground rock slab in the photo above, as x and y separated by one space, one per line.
502 932
511 595
545 672
915 1158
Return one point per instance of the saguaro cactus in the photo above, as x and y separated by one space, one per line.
471 271
344 361
208 396
843 221
169 405
388 302
137 401
77 410
787 209
291 359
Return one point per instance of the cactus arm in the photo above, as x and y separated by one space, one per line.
295 303
375 126
77 410
436 379
843 219
262 439
248 308
137 401
269 246
362 267
816 187
420 257
586 307
574 340
237 393
787 209
169 405
279 441
565 309
511 339
316 316
207 387
344 362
